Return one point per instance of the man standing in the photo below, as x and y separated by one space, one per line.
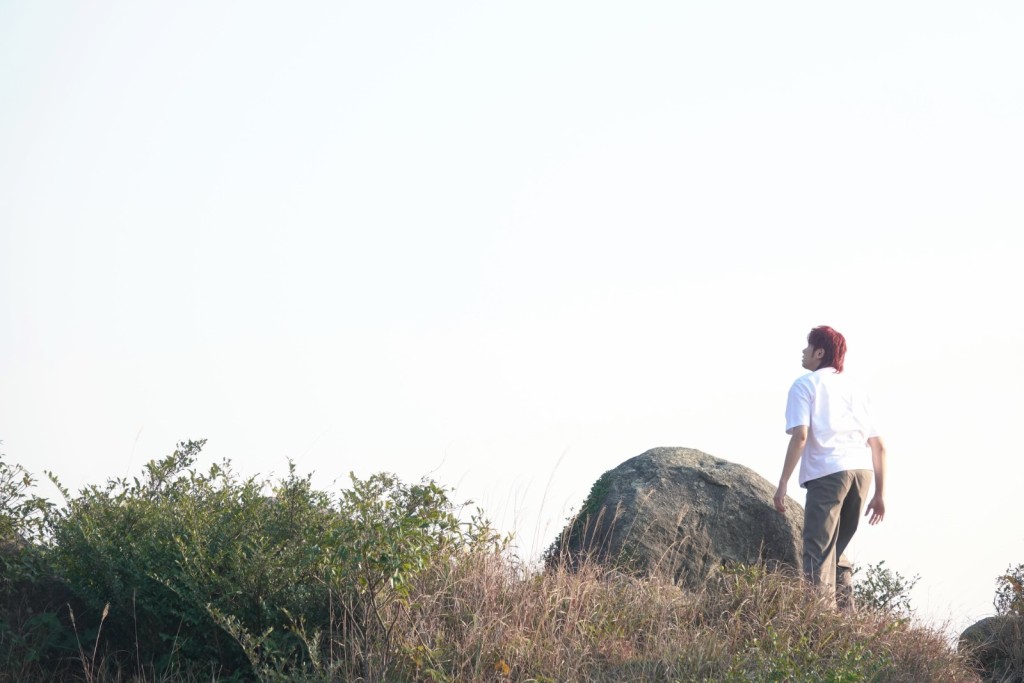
830 426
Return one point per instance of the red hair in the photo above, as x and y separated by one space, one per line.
833 343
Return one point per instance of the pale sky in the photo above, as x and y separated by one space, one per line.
511 245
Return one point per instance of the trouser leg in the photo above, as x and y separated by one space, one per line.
829 522
844 584
821 522
849 518
852 507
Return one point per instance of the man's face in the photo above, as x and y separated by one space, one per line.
812 358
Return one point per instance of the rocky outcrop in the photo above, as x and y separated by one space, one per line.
684 513
996 645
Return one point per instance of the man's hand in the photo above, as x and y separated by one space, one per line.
876 510
780 498
797 440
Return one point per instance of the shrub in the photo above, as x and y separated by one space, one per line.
884 590
23 514
392 533
32 637
146 546
1010 591
204 570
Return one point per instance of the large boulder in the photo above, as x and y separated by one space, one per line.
996 644
682 513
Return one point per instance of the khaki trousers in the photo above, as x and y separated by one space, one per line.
834 505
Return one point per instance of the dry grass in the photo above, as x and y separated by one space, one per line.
489 619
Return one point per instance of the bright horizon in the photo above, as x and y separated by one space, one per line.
510 246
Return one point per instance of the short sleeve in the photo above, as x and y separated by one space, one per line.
869 419
798 406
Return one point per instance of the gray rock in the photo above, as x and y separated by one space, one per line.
996 644
682 513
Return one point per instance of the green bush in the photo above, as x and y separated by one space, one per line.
245 577
23 514
884 590
32 637
1010 591
122 545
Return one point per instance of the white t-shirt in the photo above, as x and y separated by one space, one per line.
839 423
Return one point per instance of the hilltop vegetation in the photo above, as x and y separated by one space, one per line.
199 575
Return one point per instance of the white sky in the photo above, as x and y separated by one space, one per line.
511 245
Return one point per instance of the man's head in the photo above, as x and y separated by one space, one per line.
826 348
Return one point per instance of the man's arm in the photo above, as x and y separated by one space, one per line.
876 508
797 441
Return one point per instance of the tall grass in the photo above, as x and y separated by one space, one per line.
487 618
